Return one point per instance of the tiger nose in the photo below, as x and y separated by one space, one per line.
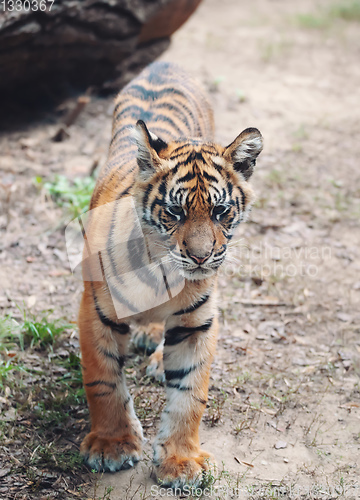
200 260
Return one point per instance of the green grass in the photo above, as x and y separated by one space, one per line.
5 368
35 332
347 10
10 335
240 95
18 335
214 85
41 332
43 388
74 195
48 455
313 21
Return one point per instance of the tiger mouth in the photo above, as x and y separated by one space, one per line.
191 270
199 271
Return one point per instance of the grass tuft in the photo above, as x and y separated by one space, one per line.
41 333
73 195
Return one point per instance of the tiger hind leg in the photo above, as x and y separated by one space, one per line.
146 338
155 367
116 438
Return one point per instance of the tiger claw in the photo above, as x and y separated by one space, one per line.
110 455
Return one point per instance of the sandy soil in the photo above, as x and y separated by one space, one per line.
284 396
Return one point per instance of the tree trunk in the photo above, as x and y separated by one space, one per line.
82 43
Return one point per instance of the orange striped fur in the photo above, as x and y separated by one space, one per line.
168 182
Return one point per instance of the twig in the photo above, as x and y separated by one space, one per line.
71 117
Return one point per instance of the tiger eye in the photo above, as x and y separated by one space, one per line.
175 210
220 209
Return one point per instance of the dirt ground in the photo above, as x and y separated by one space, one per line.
283 418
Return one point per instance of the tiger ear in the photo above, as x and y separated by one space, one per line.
242 152
149 147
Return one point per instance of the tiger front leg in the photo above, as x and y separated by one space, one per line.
188 353
116 438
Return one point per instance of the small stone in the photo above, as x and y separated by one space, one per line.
280 445
344 317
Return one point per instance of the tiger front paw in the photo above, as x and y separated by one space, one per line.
178 471
110 454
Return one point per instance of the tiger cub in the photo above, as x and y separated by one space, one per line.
163 211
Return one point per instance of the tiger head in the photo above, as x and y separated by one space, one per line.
194 194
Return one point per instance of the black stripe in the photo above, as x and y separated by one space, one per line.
115 274
136 253
242 198
136 111
193 307
209 177
198 156
237 204
120 131
118 358
187 177
156 202
182 163
178 155
220 252
152 95
168 120
121 328
202 401
116 294
163 187
149 188
217 191
100 394
101 382
124 193
180 333
227 236
179 387
219 168
178 111
179 374
161 131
